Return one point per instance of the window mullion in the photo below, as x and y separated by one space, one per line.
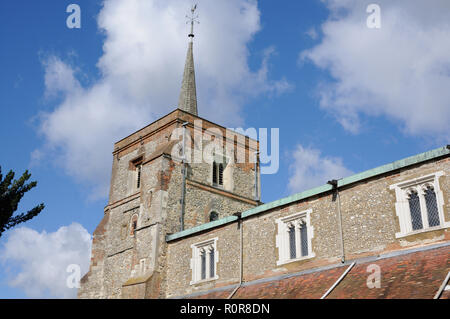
207 261
286 253
197 265
298 243
423 207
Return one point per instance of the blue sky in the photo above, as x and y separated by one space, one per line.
346 98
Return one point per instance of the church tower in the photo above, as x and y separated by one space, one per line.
176 173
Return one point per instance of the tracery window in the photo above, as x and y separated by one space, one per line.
419 204
204 261
294 237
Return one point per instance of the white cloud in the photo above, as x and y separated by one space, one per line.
141 71
40 260
401 70
310 169
312 33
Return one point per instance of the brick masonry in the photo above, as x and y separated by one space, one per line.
128 263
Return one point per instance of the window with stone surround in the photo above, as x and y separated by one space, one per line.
136 167
213 216
204 260
217 169
419 205
294 237
217 174
138 176
133 224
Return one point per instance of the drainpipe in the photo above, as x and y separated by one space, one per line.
241 249
256 177
183 183
334 183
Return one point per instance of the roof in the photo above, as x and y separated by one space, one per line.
413 273
188 95
403 163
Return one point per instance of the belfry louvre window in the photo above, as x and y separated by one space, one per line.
136 168
138 178
214 172
419 204
294 237
217 176
221 174
204 260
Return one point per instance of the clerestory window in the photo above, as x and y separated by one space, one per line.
204 260
419 204
294 237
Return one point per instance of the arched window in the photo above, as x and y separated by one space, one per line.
133 225
304 239
420 204
203 263
294 237
432 210
292 246
212 262
213 216
414 208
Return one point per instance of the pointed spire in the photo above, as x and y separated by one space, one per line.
188 95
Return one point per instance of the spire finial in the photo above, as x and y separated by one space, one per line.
191 19
188 95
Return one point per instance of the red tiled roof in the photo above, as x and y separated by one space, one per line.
306 286
445 295
413 275
215 295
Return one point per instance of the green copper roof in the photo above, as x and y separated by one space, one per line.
416 159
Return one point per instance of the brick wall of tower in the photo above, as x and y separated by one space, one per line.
127 264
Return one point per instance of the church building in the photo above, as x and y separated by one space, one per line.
184 220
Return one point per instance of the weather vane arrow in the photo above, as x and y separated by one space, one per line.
191 19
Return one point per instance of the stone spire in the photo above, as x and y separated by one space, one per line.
188 95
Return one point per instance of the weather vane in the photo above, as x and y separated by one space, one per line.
191 19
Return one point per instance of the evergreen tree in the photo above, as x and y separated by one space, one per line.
11 192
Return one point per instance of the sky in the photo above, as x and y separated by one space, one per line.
345 96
